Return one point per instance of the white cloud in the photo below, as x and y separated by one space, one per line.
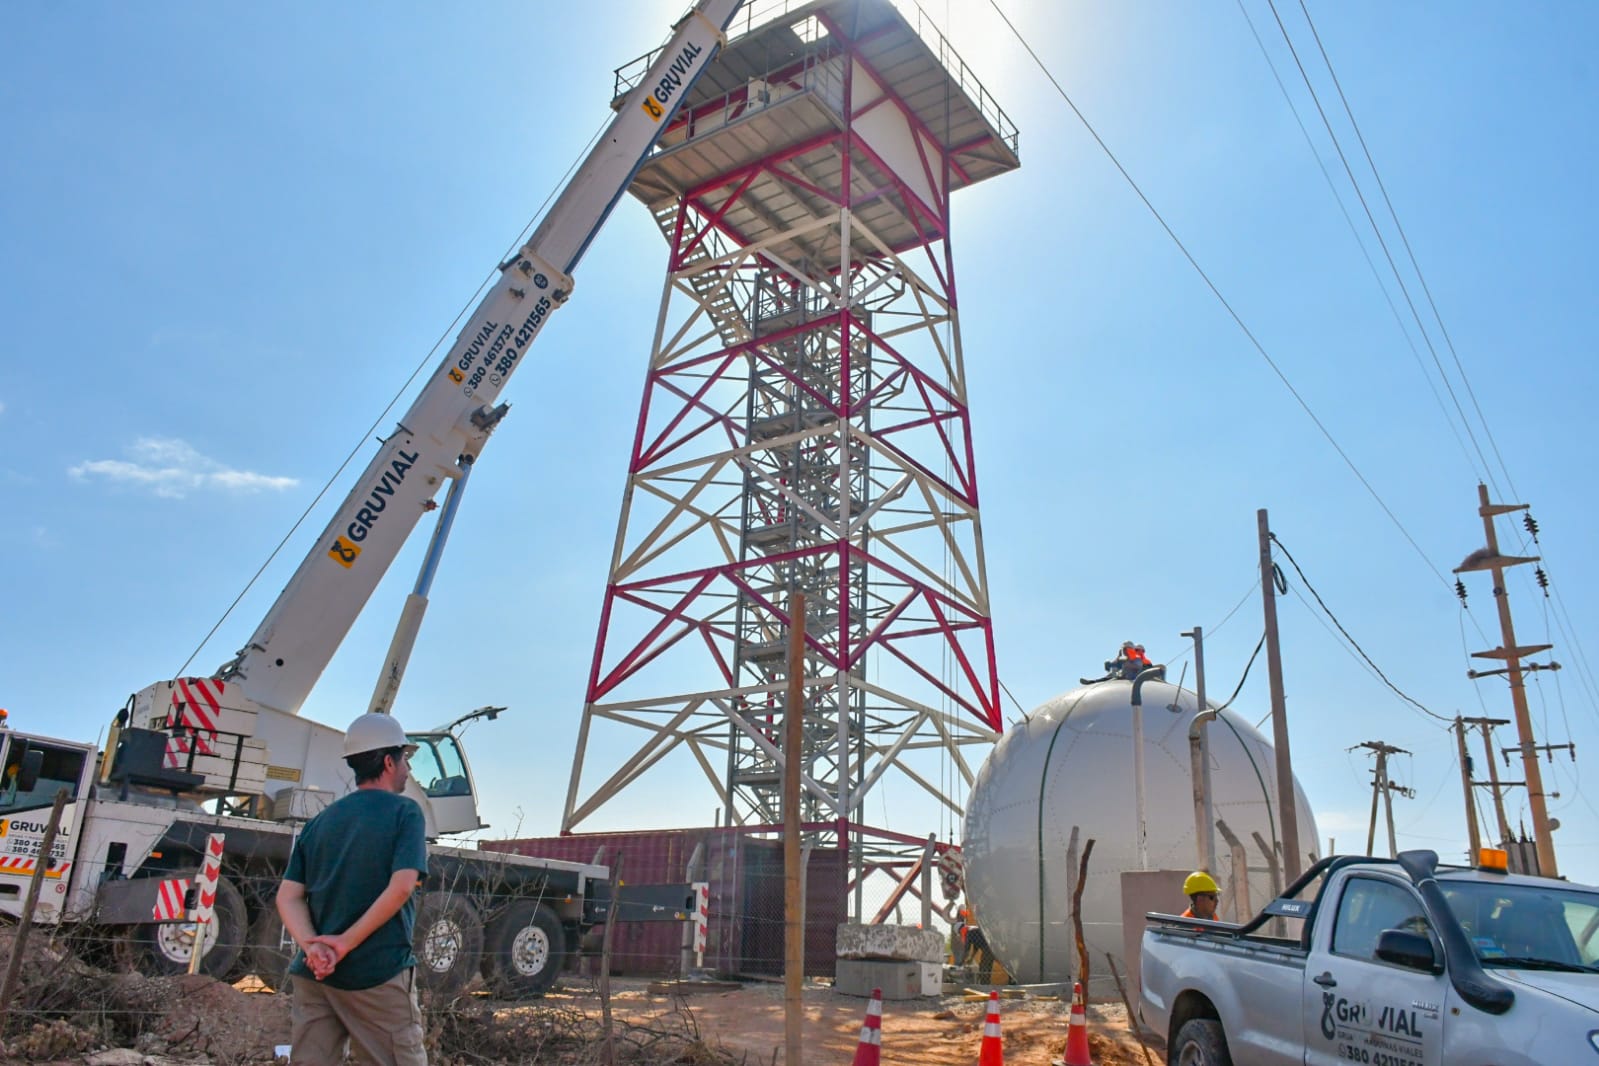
172 468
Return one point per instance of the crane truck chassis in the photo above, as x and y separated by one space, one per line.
128 828
230 754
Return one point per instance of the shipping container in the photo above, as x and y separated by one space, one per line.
745 873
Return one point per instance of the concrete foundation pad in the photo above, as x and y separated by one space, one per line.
898 978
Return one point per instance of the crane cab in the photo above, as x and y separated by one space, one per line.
440 768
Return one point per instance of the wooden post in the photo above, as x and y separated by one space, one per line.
1287 803
793 916
1077 915
608 1034
8 988
1238 881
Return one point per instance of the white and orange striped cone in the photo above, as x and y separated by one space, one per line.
992 1052
869 1051
1077 1032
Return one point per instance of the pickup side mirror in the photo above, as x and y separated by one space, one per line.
1412 950
28 774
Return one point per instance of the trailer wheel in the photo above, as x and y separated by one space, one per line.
1200 1042
448 942
524 950
163 948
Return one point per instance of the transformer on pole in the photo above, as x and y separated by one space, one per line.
804 428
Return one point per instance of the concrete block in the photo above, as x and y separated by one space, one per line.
904 942
898 978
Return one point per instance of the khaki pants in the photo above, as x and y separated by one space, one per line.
380 1025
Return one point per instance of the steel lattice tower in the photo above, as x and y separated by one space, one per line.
804 426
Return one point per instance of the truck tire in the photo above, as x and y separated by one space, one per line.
160 949
1200 1042
448 943
524 950
267 956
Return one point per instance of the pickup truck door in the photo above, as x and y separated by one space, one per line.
1357 1007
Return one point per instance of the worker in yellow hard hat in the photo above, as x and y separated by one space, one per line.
1203 895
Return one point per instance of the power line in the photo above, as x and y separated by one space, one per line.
1377 231
1216 292
1365 254
1260 644
1353 643
1414 265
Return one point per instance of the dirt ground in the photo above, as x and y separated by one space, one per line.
924 1032
199 1020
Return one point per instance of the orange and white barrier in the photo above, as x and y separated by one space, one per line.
992 1052
870 1049
1077 1053
210 873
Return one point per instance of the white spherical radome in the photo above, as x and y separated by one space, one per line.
1070 763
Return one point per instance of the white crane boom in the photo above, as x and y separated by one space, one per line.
455 412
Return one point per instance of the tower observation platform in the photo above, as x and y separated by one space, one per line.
804 428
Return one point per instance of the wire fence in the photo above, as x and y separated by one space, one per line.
86 986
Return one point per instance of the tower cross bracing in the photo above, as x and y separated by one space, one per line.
804 427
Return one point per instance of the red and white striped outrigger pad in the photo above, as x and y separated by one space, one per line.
169 899
196 707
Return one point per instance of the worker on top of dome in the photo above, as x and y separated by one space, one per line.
1130 659
1203 895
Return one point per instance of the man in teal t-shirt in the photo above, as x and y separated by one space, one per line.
346 898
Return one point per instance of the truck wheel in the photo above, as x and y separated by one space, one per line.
163 948
1200 1042
448 942
524 950
270 951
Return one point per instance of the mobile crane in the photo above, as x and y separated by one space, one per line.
188 757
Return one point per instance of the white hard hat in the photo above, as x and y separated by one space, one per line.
376 732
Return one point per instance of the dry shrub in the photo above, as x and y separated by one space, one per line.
468 1033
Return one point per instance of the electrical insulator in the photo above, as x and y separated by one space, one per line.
1543 580
1460 590
1532 525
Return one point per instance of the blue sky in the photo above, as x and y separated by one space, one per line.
231 233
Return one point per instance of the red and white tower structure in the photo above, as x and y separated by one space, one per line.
804 427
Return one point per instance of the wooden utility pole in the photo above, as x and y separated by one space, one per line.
1383 788
793 915
1473 837
1496 787
1287 808
1511 654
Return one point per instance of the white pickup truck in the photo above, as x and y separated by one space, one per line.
1385 962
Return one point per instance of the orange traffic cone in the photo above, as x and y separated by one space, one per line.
1077 1032
992 1052
869 1051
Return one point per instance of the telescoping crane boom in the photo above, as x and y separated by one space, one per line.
456 410
196 762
